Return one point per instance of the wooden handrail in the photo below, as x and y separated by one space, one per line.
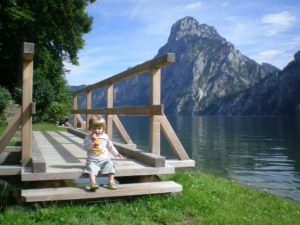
155 110
155 63
135 110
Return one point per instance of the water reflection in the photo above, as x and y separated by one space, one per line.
263 152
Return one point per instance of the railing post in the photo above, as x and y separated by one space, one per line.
110 103
75 121
28 51
88 106
154 142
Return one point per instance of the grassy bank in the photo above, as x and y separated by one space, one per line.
205 200
41 127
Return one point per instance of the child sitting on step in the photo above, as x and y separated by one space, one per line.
97 144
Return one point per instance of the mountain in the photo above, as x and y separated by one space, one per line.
208 68
211 77
277 95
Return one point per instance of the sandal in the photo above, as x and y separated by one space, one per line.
112 185
94 187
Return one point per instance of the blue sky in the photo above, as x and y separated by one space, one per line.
129 32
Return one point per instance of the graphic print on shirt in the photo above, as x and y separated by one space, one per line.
96 148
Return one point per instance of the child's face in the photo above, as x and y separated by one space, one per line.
97 130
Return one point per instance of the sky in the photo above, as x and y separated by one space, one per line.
128 32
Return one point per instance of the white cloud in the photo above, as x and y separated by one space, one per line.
193 5
267 55
278 22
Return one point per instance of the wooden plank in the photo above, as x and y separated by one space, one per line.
136 70
38 161
75 107
173 139
78 133
122 130
10 170
121 171
180 163
109 104
82 122
28 51
72 193
146 158
154 137
10 130
135 110
13 149
88 106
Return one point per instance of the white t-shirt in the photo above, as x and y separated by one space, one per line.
99 149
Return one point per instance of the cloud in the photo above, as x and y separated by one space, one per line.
267 55
278 22
193 5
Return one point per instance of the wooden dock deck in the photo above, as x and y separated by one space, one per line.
53 157
64 158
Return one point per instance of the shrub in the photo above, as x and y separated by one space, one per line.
5 96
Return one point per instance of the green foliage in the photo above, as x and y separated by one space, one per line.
55 112
56 28
5 96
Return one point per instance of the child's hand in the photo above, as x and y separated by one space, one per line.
94 137
118 155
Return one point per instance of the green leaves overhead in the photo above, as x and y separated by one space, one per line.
56 28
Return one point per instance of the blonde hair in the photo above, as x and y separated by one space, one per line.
97 122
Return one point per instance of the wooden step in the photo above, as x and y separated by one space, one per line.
76 193
9 170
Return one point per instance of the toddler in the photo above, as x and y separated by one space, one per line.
97 144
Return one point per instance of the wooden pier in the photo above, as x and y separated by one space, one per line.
58 156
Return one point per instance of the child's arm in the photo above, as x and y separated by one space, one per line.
87 142
112 149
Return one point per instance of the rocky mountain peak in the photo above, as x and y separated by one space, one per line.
297 56
188 26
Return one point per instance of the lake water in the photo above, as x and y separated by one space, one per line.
262 152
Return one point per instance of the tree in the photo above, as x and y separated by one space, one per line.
56 28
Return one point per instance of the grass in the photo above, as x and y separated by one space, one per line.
205 199
36 127
47 127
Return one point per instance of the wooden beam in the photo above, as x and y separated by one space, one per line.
38 161
154 137
10 170
82 122
138 110
180 163
173 139
138 69
75 107
73 193
122 130
10 130
88 106
125 171
109 104
28 51
146 158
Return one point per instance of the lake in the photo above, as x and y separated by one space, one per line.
263 152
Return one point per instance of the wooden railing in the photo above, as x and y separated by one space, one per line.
24 115
158 120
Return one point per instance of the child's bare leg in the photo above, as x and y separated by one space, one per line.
111 177
92 179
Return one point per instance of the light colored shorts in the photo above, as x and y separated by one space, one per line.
104 167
